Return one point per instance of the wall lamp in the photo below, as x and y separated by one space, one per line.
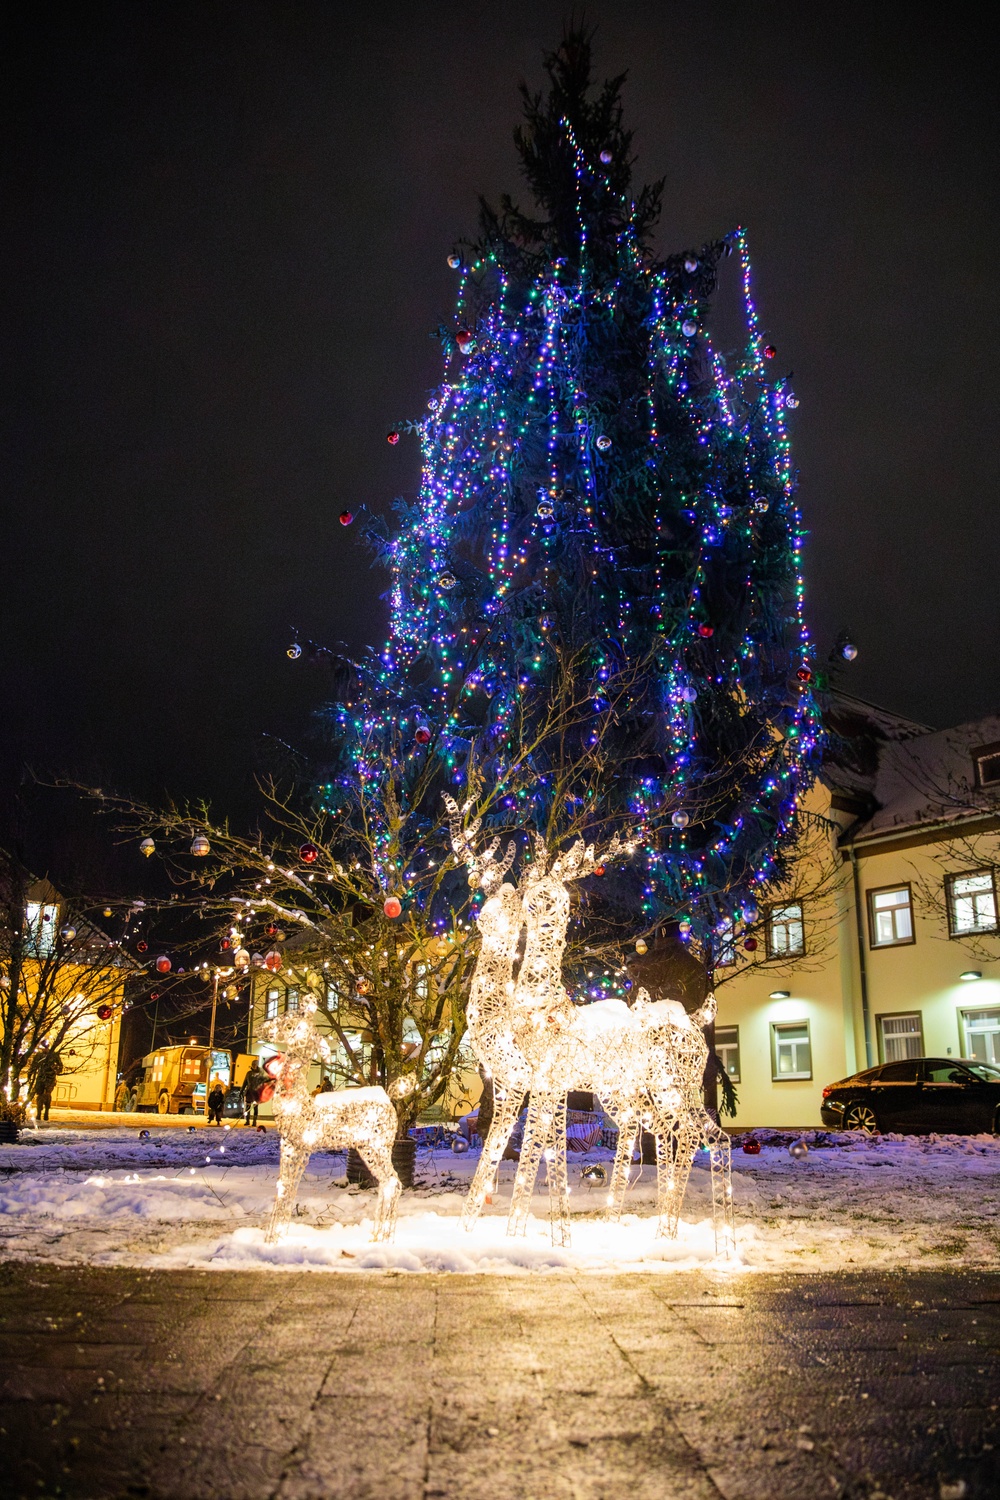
787 994
971 974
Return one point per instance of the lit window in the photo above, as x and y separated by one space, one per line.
727 1050
421 986
901 1037
982 1034
972 903
271 1005
725 944
890 917
785 931
791 1052
41 924
292 1003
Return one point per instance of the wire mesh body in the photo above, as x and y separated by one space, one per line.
362 1118
645 1063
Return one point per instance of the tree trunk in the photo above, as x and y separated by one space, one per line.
486 1102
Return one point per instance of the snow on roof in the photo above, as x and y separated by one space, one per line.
930 778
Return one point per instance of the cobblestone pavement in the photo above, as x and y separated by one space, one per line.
240 1386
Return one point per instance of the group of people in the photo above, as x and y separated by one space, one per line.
252 1087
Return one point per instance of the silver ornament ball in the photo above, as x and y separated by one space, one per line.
459 1145
595 1174
798 1150
689 328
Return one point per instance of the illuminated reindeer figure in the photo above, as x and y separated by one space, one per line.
362 1118
645 1064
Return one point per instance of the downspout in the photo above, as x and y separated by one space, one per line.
861 959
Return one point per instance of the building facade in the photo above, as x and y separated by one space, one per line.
898 954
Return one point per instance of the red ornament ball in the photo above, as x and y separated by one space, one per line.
163 964
308 853
750 1146
272 960
423 735
392 906
706 631
465 339
154 994
272 931
104 1012
346 517
750 944
804 674
598 869
141 946
392 438
770 352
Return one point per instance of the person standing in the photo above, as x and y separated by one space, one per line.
216 1100
253 1083
43 1071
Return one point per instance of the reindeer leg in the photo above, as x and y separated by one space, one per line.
675 1149
627 1121
720 1155
559 1229
294 1159
493 1149
537 1137
377 1157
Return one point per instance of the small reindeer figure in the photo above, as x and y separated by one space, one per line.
362 1118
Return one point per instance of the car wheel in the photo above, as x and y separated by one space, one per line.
163 1104
861 1117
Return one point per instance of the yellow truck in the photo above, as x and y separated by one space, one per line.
176 1080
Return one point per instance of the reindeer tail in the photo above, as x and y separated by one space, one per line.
705 1014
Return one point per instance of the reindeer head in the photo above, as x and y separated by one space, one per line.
485 870
295 1034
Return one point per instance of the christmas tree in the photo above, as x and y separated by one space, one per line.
606 520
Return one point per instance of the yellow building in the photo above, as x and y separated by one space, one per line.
897 953
70 990
275 994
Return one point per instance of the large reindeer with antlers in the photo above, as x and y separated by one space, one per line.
645 1064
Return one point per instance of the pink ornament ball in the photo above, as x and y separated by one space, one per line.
392 906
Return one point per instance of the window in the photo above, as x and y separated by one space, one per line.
41 923
785 931
421 982
987 763
791 1053
727 1050
899 1072
890 917
900 1036
292 1003
981 1035
725 944
946 1072
972 903
271 1005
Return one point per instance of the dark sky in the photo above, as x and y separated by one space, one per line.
223 243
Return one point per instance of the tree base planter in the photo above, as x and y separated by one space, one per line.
404 1155
8 1133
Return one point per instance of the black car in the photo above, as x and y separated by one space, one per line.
954 1095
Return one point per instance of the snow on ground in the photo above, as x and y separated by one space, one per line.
177 1198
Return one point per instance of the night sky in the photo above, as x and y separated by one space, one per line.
224 240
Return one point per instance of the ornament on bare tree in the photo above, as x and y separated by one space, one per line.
680 819
67 933
346 517
241 958
147 847
294 652
104 1012
392 438
272 960
393 907
641 946
257 960
141 946
200 846
308 853
750 944
163 964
